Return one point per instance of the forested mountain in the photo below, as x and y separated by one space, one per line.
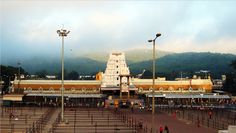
53 65
168 64
189 63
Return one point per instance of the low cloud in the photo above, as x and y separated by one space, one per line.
222 45
30 27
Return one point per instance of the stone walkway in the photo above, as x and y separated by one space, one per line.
161 119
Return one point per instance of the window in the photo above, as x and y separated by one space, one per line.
117 78
117 66
40 89
117 72
51 89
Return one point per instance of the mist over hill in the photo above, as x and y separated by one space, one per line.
53 65
139 55
167 63
189 63
132 56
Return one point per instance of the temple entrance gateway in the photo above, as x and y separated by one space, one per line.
124 86
116 77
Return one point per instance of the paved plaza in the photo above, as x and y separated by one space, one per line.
77 120
100 120
174 124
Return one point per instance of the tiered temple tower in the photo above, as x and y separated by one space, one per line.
116 66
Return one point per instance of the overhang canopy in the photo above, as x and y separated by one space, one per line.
110 88
117 88
214 96
12 97
68 95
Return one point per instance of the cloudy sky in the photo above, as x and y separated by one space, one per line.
28 28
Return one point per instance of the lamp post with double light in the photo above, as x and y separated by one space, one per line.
19 76
62 33
153 79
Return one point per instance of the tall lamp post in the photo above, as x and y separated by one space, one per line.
153 79
62 33
18 70
19 77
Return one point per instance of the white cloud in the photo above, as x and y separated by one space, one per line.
113 25
222 45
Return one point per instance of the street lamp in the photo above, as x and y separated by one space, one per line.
19 70
153 79
62 33
19 77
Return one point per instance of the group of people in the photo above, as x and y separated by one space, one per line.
161 129
11 115
164 130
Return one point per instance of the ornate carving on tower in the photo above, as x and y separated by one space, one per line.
116 66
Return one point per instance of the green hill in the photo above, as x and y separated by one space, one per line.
216 63
53 65
169 64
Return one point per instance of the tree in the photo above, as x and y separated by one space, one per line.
11 71
41 74
233 64
59 74
147 75
73 75
230 83
8 74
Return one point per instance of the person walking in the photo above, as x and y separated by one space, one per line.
132 109
140 106
166 129
198 122
210 114
174 114
140 124
116 107
161 129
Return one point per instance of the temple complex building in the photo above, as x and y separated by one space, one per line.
116 82
182 86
